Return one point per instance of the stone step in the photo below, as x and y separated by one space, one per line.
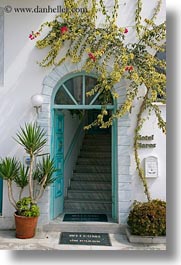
90 185
92 169
103 211
96 148
92 154
92 176
90 188
94 161
99 142
83 205
97 136
91 227
89 195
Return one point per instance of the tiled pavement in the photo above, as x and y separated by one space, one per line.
50 241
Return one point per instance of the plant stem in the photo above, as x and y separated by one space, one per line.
20 193
40 194
10 194
138 127
32 158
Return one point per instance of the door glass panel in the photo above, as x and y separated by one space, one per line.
90 83
59 144
74 85
104 99
74 89
62 98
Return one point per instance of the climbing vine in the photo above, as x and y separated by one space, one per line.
76 36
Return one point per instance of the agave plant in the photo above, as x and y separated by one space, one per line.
37 176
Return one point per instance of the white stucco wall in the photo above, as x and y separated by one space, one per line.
157 186
24 78
71 125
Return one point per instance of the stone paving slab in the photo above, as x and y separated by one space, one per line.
50 241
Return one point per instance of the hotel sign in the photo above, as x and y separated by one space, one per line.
146 138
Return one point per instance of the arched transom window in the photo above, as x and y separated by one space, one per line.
73 91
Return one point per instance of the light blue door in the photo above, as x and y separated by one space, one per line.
58 189
1 195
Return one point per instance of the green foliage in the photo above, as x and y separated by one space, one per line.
148 218
21 179
32 138
25 207
104 46
9 168
45 168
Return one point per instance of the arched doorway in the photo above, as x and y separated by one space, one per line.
69 99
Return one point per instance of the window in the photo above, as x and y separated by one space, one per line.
73 92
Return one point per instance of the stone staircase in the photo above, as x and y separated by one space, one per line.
90 187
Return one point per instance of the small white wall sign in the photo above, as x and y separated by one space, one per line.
151 167
27 161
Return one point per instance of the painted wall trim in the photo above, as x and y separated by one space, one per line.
88 107
114 171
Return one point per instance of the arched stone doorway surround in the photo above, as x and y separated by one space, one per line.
123 177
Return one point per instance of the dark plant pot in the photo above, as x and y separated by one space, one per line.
25 226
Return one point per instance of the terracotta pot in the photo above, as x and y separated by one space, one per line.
25 226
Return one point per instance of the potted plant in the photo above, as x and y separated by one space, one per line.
147 222
37 175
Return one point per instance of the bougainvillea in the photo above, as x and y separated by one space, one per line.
104 46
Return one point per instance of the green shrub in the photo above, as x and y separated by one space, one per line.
148 218
27 208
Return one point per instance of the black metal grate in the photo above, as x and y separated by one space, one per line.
85 218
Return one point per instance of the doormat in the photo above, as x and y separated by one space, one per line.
85 218
97 239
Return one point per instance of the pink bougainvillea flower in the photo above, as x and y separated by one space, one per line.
31 37
126 30
131 68
64 29
92 56
34 35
